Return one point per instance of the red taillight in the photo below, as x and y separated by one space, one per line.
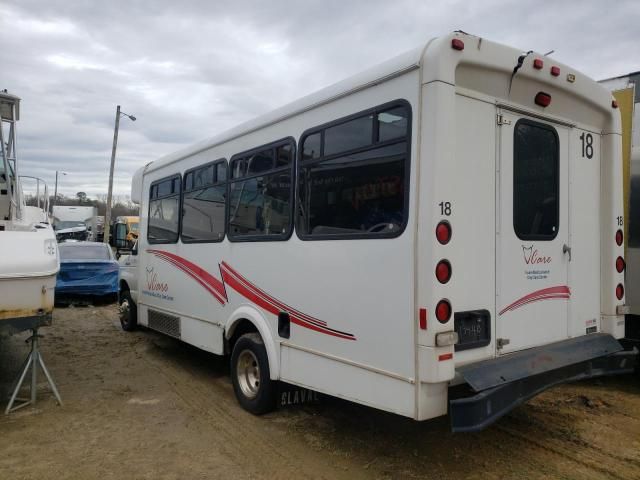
457 44
619 292
423 319
555 71
543 99
619 237
443 232
445 356
443 311
538 64
614 104
620 264
443 271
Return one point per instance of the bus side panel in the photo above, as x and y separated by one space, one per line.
347 381
458 172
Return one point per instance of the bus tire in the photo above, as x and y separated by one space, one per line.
255 391
128 313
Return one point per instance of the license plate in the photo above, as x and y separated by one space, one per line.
473 328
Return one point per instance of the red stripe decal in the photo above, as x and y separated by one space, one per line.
272 305
204 278
248 290
282 306
560 292
205 285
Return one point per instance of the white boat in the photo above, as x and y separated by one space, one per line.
29 261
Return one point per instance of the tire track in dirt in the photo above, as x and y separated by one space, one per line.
215 402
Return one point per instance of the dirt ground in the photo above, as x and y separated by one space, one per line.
142 405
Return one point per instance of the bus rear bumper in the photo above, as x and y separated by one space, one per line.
502 384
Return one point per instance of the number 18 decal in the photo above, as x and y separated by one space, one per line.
445 208
587 145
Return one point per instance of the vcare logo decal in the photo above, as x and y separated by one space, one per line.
156 288
532 257
535 259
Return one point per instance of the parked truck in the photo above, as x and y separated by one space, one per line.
69 221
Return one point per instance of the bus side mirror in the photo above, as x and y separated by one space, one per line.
121 235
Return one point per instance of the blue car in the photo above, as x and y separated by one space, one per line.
88 274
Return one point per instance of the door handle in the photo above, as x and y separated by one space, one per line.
567 249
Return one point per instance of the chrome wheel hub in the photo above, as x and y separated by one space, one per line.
248 374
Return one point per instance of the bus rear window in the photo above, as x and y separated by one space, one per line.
536 174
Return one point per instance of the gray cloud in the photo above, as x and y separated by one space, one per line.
191 69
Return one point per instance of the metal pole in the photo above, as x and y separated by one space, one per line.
55 193
107 216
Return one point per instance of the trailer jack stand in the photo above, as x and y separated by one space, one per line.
34 358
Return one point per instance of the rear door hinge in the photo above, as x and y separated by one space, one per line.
501 342
501 120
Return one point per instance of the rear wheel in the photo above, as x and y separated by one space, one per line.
255 391
128 312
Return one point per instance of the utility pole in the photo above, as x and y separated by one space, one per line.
55 191
107 215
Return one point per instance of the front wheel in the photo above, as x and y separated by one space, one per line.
128 312
255 391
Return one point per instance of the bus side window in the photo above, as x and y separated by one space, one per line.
204 203
260 193
358 186
164 211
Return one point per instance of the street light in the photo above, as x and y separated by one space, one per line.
107 216
55 193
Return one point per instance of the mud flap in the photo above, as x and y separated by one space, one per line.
503 383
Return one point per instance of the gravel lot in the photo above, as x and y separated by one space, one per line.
142 405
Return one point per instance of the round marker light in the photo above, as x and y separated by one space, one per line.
443 232
443 271
614 104
620 264
443 311
457 44
619 292
619 237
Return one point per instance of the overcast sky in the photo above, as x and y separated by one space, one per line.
191 69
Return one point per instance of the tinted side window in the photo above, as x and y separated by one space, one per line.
536 172
164 211
204 204
362 193
260 193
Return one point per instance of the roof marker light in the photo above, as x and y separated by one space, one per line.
457 44
555 71
614 104
538 64
571 77
543 99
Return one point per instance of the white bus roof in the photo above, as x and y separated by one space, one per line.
498 56
405 62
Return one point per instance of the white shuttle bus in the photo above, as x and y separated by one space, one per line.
441 233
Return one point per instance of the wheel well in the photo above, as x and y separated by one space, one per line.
241 327
124 286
